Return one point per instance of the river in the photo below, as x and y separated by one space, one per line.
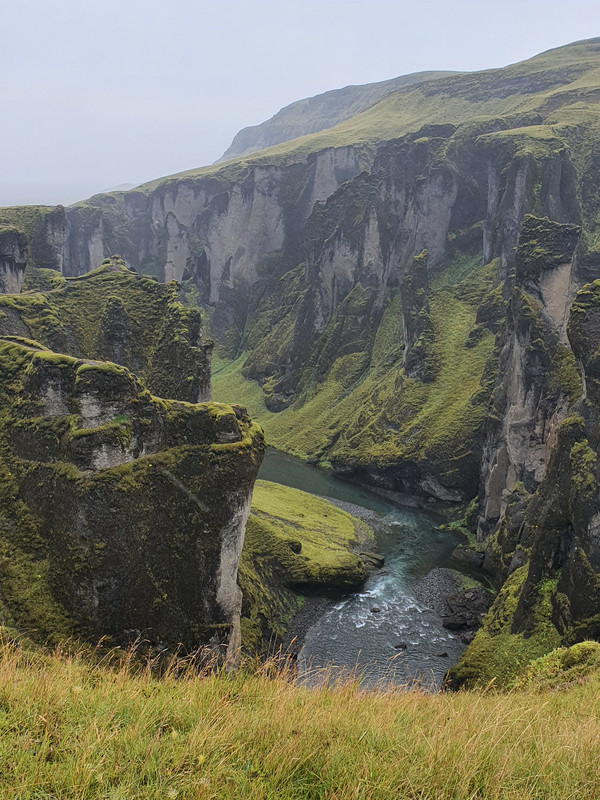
382 632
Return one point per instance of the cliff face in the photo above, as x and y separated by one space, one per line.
538 499
13 258
121 513
113 314
537 377
305 263
299 265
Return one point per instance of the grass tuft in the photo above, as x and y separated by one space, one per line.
71 728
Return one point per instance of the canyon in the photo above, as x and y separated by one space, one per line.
405 293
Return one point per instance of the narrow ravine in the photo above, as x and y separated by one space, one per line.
383 631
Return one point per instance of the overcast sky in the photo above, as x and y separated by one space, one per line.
99 93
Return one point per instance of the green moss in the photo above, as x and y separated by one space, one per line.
565 375
542 245
497 654
149 529
113 315
295 542
583 463
562 667
364 410
43 280
26 599
457 271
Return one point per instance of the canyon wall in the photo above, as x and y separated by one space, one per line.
122 514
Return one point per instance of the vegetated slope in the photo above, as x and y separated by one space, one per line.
132 508
364 414
113 314
296 544
73 729
564 79
314 114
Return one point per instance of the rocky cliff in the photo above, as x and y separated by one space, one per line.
538 500
303 257
121 513
113 314
13 258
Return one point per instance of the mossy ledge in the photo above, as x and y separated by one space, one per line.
113 314
296 544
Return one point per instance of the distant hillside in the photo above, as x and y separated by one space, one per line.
549 94
313 114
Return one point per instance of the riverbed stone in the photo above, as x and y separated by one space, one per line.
461 607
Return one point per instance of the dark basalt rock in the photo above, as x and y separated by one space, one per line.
468 555
464 610
460 608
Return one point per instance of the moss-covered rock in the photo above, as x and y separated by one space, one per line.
296 544
419 336
561 668
113 314
121 514
366 417
545 550
537 377
543 245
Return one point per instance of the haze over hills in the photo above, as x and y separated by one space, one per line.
552 85
314 114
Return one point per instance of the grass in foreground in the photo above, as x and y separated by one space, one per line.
72 730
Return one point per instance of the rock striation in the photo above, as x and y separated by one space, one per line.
13 258
538 500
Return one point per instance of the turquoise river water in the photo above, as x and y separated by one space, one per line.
402 641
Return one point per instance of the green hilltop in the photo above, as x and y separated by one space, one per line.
546 94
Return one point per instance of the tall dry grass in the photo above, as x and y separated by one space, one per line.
70 728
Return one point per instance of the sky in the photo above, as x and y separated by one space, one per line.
98 94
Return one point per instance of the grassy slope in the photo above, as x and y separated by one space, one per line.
271 573
72 730
421 418
314 114
568 75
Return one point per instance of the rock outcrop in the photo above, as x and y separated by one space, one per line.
13 258
537 376
113 314
122 514
539 503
